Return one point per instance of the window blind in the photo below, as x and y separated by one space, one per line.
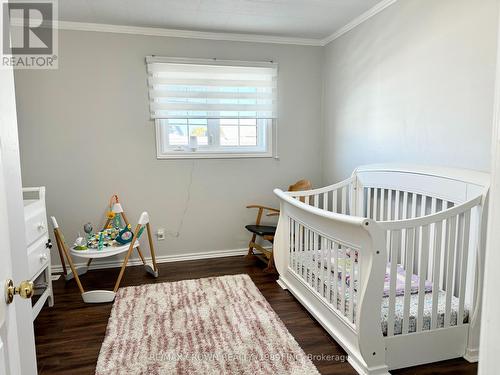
182 88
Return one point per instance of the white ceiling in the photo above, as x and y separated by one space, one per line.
315 19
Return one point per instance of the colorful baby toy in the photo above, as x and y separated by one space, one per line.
113 233
114 238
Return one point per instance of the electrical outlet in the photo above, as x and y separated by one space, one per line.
160 234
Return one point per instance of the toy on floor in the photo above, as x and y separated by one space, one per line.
111 240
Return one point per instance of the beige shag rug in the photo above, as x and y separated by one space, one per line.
217 325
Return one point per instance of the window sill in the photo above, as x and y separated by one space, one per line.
214 155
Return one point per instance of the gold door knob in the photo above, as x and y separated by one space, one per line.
25 290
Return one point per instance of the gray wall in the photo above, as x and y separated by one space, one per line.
412 84
85 134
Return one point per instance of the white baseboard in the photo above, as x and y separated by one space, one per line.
282 284
471 355
117 262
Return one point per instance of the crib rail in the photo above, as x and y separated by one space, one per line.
327 265
339 258
337 198
436 248
391 204
429 238
408 243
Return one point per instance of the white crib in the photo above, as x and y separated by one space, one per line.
337 247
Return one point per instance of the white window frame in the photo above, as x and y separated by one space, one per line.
204 152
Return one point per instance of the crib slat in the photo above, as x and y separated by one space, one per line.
375 204
389 217
334 201
325 201
396 206
295 246
433 205
298 249
320 277
463 272
445 205
382 204
395 241
419 252
404 215
310 251
413 205
290 242
423 205
436 272
389 205
317 263
424 247
316 200
329 246
349 195
324 256
344 200
351 283
368 203
458 254
405 205
306 199
408 273
306 254
431 244
452 227
301 251
343 251
444 247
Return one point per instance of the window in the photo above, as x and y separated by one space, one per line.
209 108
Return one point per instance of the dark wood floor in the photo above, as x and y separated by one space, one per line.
69 335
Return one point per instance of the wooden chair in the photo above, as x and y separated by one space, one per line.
266 232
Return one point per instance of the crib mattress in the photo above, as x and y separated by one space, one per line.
399 306
412 324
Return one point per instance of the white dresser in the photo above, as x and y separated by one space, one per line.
38 246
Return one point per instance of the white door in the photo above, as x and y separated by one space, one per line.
17 345
8 339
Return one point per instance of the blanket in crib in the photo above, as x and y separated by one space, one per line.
400 279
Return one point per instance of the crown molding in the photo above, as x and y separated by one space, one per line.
233 37
176 33
358 21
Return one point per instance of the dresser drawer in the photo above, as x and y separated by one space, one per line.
35 226
38 256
